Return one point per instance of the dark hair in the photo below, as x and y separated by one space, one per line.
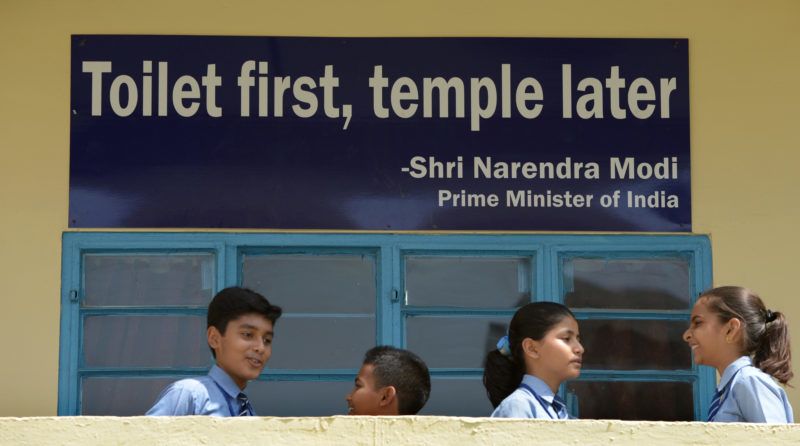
502 374
405 371
233 302
765 333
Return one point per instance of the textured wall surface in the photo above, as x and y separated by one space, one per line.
439 431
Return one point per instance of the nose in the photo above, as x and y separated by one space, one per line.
579 349
260 345
687 335
349 396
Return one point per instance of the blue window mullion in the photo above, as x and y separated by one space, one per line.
638 375
69 332
386 308
666 315
554 287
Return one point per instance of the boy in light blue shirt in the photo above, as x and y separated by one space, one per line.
240 331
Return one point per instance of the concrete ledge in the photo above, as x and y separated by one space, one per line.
342 430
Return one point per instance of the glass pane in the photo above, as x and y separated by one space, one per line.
147 280
648 284
145 341
665 401
321 342
453 341
314 283
121 396
458 397
300 398
468 281
649 345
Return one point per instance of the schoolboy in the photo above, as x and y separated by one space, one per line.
391 381
240 330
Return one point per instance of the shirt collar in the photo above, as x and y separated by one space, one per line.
224 381
731 370
540 387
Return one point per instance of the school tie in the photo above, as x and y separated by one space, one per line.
560 407
245 410
715 403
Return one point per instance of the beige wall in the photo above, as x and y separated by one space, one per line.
397 431
744 70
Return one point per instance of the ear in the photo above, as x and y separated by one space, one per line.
733 330
388 395
530 348
214 337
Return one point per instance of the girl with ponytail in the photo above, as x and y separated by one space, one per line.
732 331
542 349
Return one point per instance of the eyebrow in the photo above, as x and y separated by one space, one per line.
253 327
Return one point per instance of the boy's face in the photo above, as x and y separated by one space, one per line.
245 347
366 398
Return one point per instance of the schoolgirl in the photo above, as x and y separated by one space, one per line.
732 331
542 350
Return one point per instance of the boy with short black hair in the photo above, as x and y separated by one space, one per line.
240 330
391 381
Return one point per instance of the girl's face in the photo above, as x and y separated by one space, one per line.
709 338
558 356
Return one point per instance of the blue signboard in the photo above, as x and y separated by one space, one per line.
380 133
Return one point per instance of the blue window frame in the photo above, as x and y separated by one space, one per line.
133 307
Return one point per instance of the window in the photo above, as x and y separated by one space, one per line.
133 314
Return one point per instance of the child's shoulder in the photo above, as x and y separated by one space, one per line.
755 378
515 405
194 385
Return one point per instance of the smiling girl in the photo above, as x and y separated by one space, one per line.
732 331
541 351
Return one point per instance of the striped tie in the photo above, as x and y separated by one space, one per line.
716 402
560 407
245 410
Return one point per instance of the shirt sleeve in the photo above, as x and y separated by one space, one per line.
759 401
176 399
514 408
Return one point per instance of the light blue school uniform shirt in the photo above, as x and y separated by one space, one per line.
752 397
522 403
214 394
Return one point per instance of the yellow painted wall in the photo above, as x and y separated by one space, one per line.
744 73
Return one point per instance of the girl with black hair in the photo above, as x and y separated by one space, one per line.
542 350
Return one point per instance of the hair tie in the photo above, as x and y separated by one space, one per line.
504 347
769 316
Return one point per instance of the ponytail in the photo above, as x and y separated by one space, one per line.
501 376
505 367
772 354
765 333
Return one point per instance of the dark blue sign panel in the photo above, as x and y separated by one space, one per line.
380 133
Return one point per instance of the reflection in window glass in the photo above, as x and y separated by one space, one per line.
321 342
454 341
665 401
146 341
647 284
148 280
300 398
122 397
313 283
503 282
464 397
637 344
